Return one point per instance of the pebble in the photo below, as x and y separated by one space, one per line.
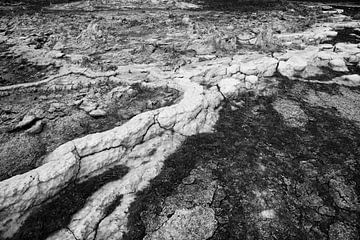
353 59
331 33
26 121
326 46
59 46
251 79
230 27
88 106
337 62
355 78
267 214
78 102
42 97
37 128
185 20
97 113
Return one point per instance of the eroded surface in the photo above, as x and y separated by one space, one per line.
266 173
120 119
55 117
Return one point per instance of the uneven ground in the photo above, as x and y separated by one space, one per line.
115 89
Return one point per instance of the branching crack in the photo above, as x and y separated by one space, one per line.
104 149
171 129
67 228
218 88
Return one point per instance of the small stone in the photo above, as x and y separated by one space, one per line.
56 105
354 78
252 79
353 59
230 27
51 109
331 33
186 5
252 41
338 64
186 20
39 113
78 102
55 54
326 46
230 87
207 57
234 108
42 97
88 106
150 104
267 214
326 7
97 113
189 180
248 85
27 120
59 46
37 128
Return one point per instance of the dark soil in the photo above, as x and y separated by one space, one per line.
21 152
347 35
328 74
353 11
309 177
57 212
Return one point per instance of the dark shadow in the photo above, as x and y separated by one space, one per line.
306 159
57 212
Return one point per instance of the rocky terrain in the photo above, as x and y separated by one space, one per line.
178 120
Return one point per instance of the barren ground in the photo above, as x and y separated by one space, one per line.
282 160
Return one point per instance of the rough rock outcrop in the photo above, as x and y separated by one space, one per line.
142 144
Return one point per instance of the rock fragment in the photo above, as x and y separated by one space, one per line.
251 79
26 121
97 113
88 105
36 128
338 65
230 87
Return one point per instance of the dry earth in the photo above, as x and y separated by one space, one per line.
174 120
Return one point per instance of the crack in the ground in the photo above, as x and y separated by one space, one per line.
72 233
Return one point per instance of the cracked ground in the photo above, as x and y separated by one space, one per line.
281 164
263 174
